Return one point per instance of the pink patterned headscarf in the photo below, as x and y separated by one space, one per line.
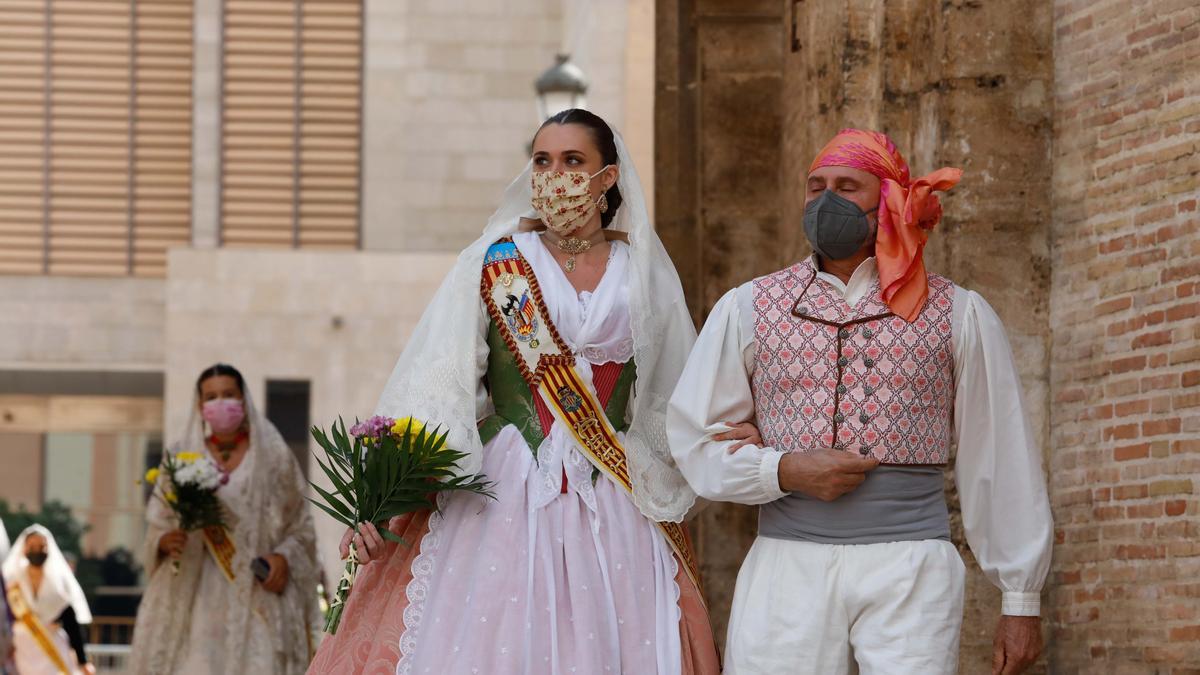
908 211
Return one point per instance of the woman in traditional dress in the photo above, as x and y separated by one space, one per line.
212 614
48 607
549 355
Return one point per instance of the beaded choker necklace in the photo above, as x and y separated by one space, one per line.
226 448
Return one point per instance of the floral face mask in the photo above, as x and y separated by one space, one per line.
563 199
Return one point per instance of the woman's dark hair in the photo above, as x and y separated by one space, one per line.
602 134
219 369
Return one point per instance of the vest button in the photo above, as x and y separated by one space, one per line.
839 418
868 391
864 419
841 389
870 363
864 451
844 333
843 361
803 309
868 333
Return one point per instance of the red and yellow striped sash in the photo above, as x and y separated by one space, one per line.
222 549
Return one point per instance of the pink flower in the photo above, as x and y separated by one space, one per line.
373 427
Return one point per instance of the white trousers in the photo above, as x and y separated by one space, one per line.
876 609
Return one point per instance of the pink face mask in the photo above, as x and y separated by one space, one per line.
224 414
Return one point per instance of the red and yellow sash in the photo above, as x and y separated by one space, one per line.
514 301
23 613
221 547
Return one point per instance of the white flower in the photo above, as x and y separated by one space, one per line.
203 473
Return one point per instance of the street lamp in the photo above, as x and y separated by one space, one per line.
560 88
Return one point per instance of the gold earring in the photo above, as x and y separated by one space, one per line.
603 203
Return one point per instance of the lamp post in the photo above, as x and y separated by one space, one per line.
561 87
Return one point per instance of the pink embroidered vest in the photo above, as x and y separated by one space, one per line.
853 378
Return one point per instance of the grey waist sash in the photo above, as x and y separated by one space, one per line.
894 503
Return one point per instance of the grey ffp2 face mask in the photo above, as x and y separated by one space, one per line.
835 226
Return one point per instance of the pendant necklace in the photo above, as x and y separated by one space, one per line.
574 246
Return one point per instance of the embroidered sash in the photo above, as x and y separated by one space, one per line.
222 549
23 613
514 300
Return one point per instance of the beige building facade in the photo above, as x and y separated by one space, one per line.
336 153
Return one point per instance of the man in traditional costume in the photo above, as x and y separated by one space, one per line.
861 371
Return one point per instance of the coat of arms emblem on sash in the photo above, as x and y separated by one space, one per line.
521 317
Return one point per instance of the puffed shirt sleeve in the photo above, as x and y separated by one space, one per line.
998 469
715 389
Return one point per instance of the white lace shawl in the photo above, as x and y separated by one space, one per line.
273 518
437 376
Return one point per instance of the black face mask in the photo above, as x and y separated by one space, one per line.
835 226
36 559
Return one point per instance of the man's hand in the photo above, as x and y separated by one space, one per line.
825 474
745 433
1017 644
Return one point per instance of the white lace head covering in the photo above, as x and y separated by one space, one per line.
59 588
436 376
3 542
273 493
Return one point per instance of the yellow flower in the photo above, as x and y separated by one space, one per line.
401 426
170 497
152 475
188 457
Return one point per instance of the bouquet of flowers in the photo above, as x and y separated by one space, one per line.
187 484
381 469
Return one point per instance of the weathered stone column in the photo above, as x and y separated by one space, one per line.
718 202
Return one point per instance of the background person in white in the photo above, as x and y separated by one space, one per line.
853 563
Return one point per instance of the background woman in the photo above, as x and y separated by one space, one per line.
48 606
568 570
197 620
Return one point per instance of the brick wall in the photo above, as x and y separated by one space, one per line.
1125 371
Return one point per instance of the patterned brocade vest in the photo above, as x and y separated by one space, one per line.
852 378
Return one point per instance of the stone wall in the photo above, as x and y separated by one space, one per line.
754 90
65 323
1125 303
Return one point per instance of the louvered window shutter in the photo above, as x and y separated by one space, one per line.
291 123
95 135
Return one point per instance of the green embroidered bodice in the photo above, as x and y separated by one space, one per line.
513 399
